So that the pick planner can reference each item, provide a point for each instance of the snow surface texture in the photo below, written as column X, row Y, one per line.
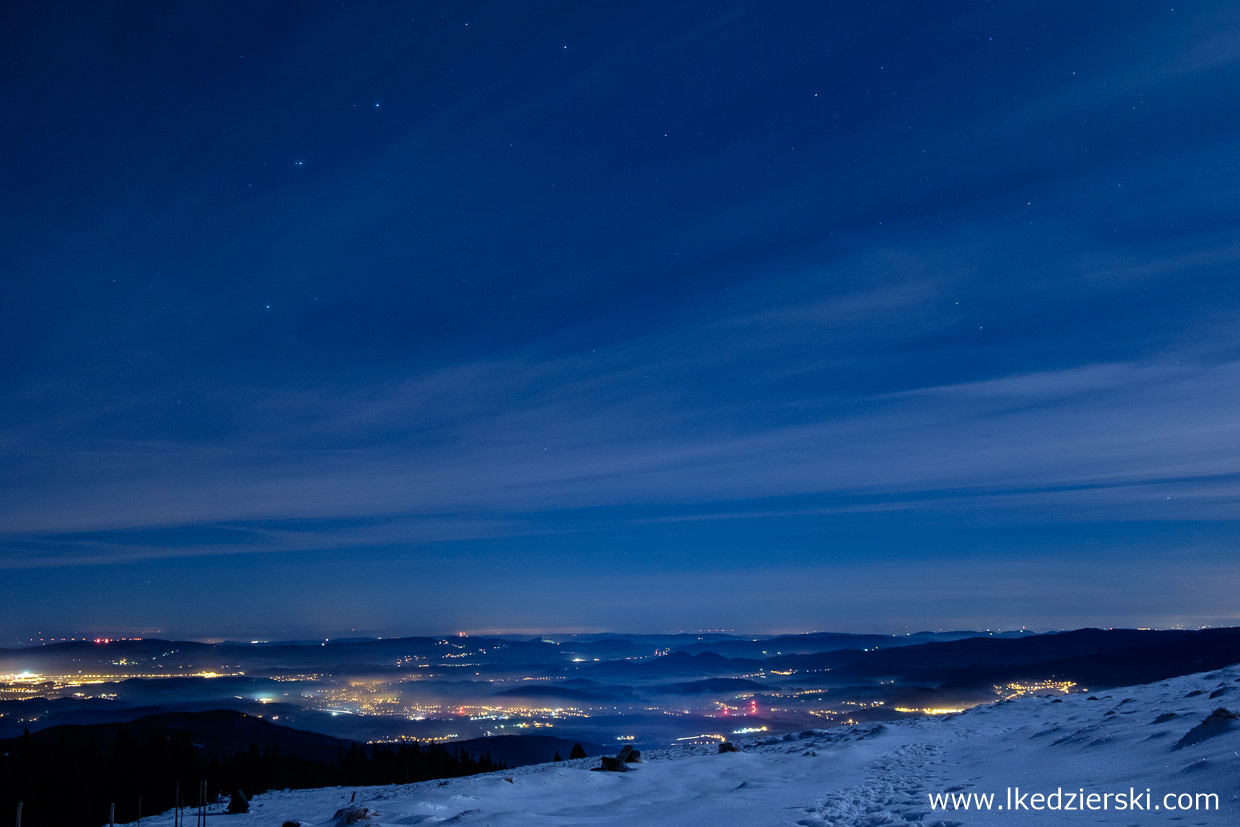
column 1117, row 741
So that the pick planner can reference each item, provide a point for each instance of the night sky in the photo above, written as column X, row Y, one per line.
column 396, row 318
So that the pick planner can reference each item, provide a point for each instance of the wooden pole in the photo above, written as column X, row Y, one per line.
column 19, row 814
column 139, row 811
column 112, row 815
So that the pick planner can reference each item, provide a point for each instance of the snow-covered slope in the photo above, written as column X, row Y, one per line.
column 1123, row 741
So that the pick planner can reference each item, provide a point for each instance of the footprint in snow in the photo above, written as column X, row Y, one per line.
column 894, row 795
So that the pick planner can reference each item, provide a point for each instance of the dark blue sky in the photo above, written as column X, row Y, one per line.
column 421, row 317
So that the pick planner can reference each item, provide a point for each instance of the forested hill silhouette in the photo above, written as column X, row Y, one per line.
column 1092, row 657
column 215, row 734
column 68, row 776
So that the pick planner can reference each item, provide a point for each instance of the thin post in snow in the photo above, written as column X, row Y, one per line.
column 19, row 814
column 112, row 815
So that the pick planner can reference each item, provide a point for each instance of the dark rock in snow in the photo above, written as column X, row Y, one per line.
column 1216, row 723
column 628, row 755
column 238, row 803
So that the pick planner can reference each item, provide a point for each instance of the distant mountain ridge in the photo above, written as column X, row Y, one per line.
column 383, row 653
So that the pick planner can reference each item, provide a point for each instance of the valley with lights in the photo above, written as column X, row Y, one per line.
column 643, row 689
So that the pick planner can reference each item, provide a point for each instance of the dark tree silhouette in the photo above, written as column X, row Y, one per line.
column 69, row 780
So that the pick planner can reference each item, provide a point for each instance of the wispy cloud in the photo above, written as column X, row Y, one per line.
column 463, row 451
